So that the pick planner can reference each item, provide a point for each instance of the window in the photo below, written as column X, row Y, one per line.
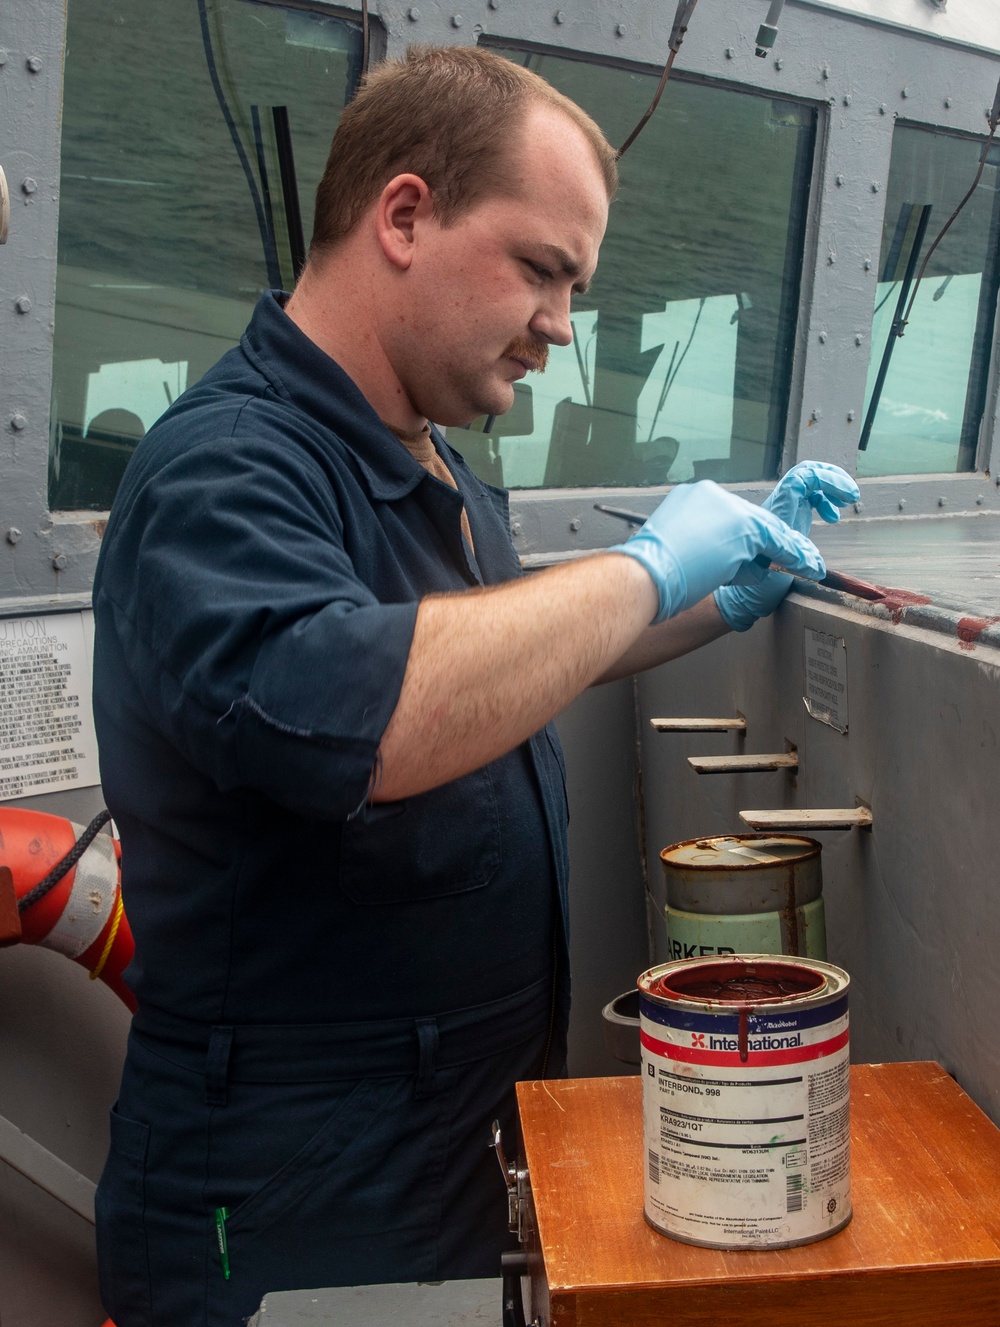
column 682, row 350
column 930, row 404
column 167, row 236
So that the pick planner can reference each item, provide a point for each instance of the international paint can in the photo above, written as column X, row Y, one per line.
column 744, row 894
column 746, row 1100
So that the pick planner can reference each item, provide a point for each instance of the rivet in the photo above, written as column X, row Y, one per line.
column 574, row 524
column 882, row 108
column 620, row 29
column 457, row 20
column 559, row 16
column 875, row 186
column 859, row 340
column 3, row 57
column 867, row 264
column 859, row 507
column 778, row 62
column 831, row 258
column 942, row 501
column 840, row 181
column 59, row 561
column 948, row 103
column 29, row 185
column 905, row 92
column 34, row 63
column 817, row 414
column 979, row 499
column 413, row 14
column 850, row 416
column 493, row 4
column 515, row 529
column 13, row 535
column 901, row 504
column 18, row 422
column 22, row 304
column 847, row 99
column 822, row 338
column 825, row 71
column 730, row 52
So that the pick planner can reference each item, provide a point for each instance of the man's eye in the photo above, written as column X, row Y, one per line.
column 543, row 273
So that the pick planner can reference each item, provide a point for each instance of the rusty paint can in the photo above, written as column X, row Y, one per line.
column 744, row 894
column 746, row 1100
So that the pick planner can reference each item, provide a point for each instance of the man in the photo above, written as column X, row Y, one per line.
column 323, row 693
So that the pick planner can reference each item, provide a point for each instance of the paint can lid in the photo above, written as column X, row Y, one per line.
column 739, row 852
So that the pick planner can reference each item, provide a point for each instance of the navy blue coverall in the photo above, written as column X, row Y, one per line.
column 335, row 997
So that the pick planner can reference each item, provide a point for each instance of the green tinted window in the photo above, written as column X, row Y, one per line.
column 164, row 242
column 683, row 346
column 930, row 403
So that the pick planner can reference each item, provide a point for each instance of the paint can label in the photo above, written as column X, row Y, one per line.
column 746, row 1122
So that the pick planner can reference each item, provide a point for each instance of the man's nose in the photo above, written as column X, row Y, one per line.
column 553, row 323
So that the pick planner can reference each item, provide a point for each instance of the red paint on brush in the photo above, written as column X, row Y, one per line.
column 839, row 580
column 971, row 628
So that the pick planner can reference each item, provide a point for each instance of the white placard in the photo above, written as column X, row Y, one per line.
column 47, row 739
column 826, row 679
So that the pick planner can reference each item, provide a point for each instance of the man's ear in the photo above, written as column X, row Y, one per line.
column 403, row 204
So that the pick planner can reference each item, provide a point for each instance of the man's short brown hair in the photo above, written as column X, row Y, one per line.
column 448, row 114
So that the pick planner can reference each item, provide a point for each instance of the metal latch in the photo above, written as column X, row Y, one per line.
column 514, row 1179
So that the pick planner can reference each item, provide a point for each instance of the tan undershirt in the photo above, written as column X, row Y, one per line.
column 421, row 448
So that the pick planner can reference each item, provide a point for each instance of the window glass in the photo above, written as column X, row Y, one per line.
column 930, row 403
column 682, row 347
column 164, row 244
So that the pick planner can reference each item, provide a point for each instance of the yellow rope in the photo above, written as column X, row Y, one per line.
column 116, row 921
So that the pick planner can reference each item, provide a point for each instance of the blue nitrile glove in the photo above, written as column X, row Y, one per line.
column 809, row 486
column 701, row 536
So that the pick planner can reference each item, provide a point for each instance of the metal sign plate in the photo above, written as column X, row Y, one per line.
column 826, row 679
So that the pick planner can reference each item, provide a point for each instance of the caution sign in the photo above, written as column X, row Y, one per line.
column 47, row 739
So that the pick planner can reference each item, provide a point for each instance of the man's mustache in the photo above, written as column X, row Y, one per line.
column 529, row 351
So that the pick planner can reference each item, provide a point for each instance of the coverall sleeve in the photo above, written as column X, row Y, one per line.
column 257, row 650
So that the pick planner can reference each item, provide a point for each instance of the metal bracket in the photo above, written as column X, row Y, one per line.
column 516, row 1181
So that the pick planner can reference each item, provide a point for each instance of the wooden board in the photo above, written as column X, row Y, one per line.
column 923, row 1248
column 699, row 725
column 855, row 817
column 743, row 764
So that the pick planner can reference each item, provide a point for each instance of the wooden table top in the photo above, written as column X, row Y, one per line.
column 923, row 1246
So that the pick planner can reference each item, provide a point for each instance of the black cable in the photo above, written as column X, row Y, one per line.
column 227, row 115
column 896, row 330
column 685, row 8
column 66, row 864
column 364, row 39
column 289, row 189
column 948, row 224
column 652, row 106
column 273, row 265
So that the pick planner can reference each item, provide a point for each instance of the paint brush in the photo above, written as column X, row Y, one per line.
column 834, row 580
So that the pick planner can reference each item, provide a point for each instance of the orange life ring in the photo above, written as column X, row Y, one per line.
column 81, row 916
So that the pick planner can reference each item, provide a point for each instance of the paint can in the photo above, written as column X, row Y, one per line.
column 744, row 894
column 746, row 1100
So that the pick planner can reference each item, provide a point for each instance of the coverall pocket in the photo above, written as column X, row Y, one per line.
column 356, row 1200
column 120, row 1205
column 443, row 842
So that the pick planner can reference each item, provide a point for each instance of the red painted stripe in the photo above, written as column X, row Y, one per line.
column 791, row 1055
